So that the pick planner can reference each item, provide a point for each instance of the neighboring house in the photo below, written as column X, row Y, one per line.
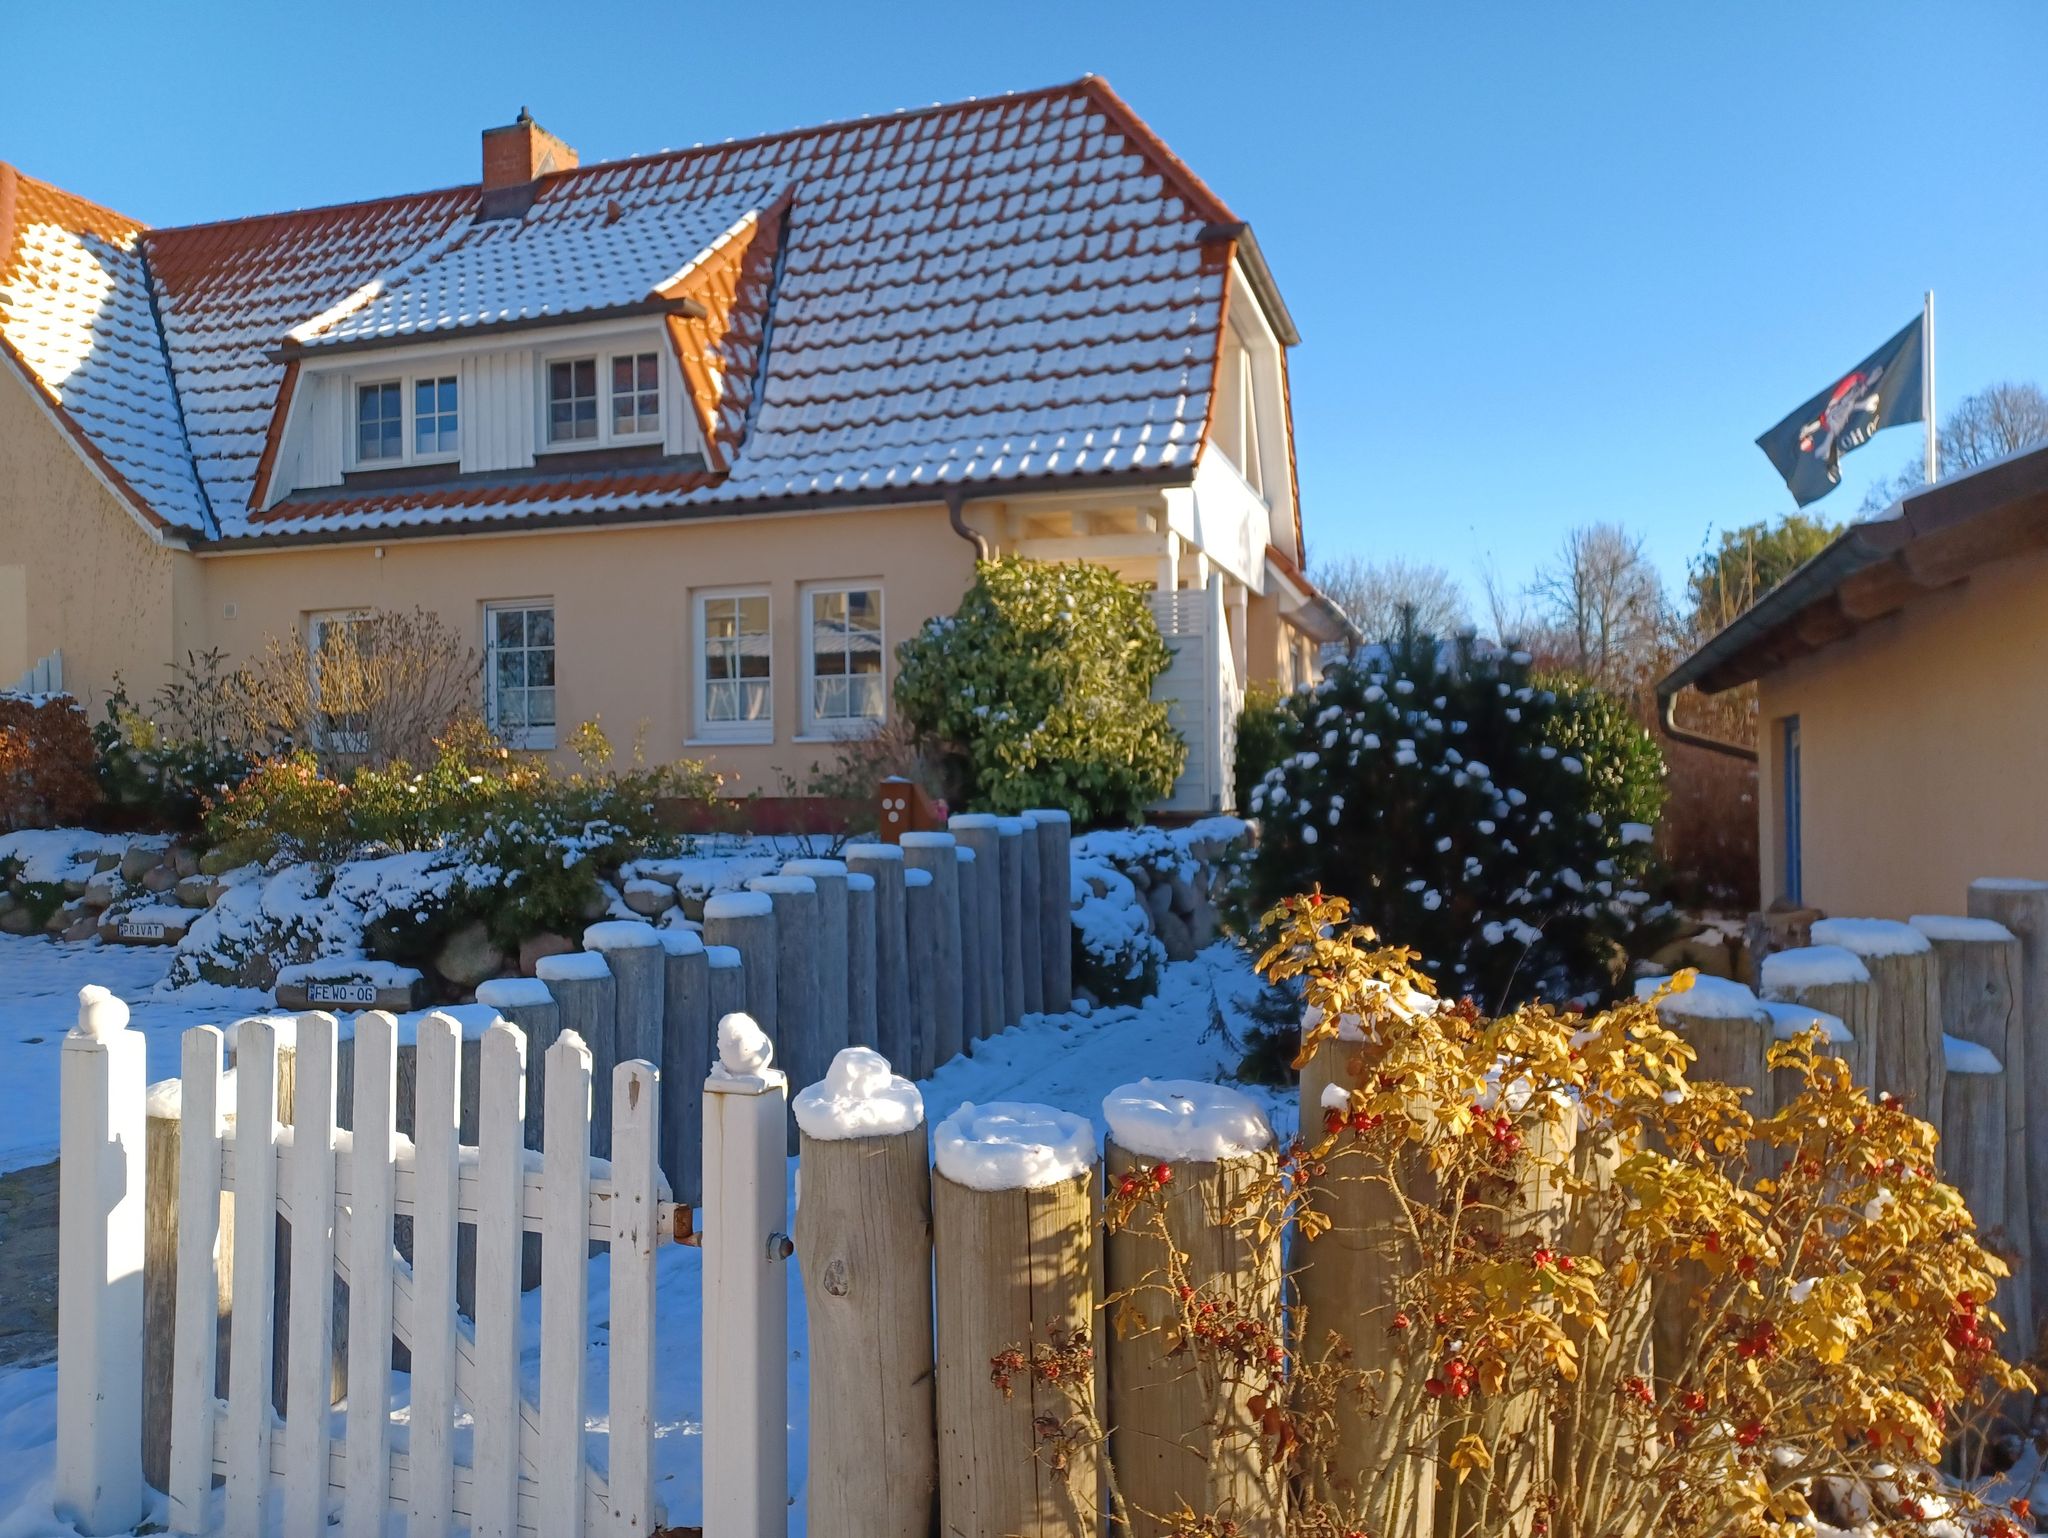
column 691, row 440
column 1902, row 679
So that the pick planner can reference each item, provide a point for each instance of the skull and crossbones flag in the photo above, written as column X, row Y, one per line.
column 1884, row 390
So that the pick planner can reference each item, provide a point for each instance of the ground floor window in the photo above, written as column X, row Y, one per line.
column 734, row 668
column 843, row 658
column 338, row 671
column 519, row 672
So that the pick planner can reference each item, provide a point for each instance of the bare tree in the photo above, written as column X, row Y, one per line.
column 1376, row 594
column 1998, row 420
column 1602, row 604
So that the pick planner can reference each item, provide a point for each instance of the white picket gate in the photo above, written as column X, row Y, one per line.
column 341, row 1190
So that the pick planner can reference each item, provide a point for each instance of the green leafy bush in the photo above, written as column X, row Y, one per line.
column 1498, row 822
column 1258, row 738
column 159, row 764
column 1037, row 691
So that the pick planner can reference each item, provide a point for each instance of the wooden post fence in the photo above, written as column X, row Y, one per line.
column 2022, row 907
column 924, row 924
column 1835, row 982
column 973, row 947
column 1015, row 1198
column 632, row 949
column 1010, row 866
column 894, row 1032
column 942, row 1011
column 745, row 922
column 830, row 952
column 685, row 1059
column 864, row 1241
column 1176, row 1441
column 801, row 1044
column 1032, row 910
column 586, row 999
column 1055, row 908
column 725, row 973
column 1906, row 1052
column 861, row 955
column 980, row 832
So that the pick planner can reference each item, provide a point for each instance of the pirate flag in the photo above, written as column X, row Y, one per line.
column 1882, row 391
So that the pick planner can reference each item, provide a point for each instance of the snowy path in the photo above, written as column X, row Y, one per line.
column 1067, row 1061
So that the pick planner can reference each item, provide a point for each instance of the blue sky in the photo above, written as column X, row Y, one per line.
column 1551, row 263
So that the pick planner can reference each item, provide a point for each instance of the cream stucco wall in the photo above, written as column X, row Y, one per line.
column 623, row 598
column 1924, row 749
column 77, row 572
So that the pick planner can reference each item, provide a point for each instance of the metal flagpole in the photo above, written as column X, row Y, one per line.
column 1927, row 388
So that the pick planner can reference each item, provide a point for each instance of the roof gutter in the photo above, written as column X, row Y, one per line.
column 1667, row 718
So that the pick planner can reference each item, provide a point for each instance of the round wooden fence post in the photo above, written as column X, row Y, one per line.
column 830, row 952
column 685, row 1061
column 864, row 1242
column 725, row 974
column 1974, row 1160
column 924, row 924
column 862, row 1015
column 1791, row 1020
column 883, row 864
column 1176, row 1442
column 1031, row 916
column 632, row 948
column 586, row 996
column 973, row 961
column 1730, row 1034
column 1834, row 982
column 745, row 922
column 1055, row 907
column 982, row 832
column 1010, row 908
column 1980, row 962
column 1345, row 1283
column 2022, row 907
column 1015, row 1203
column 800, row 1041
column 943, row 1013
column 1906, row 1033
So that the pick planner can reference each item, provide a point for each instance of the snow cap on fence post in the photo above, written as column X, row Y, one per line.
column 746, row 1303
column 1905, row 1046
column 101, row 1183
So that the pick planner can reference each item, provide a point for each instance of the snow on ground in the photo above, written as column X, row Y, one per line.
column 1193, row 1028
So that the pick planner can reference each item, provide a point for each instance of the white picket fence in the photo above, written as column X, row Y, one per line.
column 341, row 1190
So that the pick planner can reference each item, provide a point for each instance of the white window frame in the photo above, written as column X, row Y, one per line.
column 316, row 621
column 606, row 358
column 408, row 387
column 703, row 728
column 537, row 739
column 837, row 727
column 649, row 435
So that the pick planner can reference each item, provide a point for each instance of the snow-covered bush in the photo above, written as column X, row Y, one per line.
column 1146, row 896
column 1037, row 691
column 1498, row 822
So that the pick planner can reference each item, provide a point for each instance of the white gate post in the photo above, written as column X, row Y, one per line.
column 99, row 1269
column 746, row 1300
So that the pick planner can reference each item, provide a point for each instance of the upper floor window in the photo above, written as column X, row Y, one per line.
column 380, row 421
column 844, row 658
column 572, row 400
column 636, row 394
column 603, row 399
column 435, row 421
column 388, row 414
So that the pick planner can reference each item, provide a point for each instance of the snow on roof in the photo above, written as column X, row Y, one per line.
column 1951, row 926
column 1021, row 288
column 1812, row 966
column 1870, row 937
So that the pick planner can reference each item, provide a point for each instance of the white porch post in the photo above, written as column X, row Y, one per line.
column 1221, row 703
column 1169, row 564
column 101, row 1140
column 1240, row 606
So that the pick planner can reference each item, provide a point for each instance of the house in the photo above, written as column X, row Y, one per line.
column 690, row 440
column 1902, row 684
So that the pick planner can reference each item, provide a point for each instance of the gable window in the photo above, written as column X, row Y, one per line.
column 843, row 659
column 380, row 421
column 636, row 395
column 519, row 672
column 734, row 674
column 572, row 401
column 435, row 421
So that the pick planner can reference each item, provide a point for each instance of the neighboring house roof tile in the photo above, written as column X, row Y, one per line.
column 75, row 318
column 1019, row 289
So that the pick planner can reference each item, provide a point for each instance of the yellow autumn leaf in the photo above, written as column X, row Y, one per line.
column 1468, row 1455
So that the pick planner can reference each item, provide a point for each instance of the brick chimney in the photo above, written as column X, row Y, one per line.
column 515, row 157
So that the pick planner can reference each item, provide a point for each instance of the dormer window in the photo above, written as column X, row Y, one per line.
column 572, row 401
column 636, row 395
column 380, row 422
column 627, row 411
column 393, row 412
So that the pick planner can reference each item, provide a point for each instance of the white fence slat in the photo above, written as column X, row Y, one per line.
column 636, row 1219
column 250, row 1344
column 437, row 1118
column 368, row 1426
column 564, row 1285
column 501, row 1170
column 309, row 1187
column 195, row 1330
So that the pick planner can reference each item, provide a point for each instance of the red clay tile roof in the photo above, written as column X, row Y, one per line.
column 1009, row 290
